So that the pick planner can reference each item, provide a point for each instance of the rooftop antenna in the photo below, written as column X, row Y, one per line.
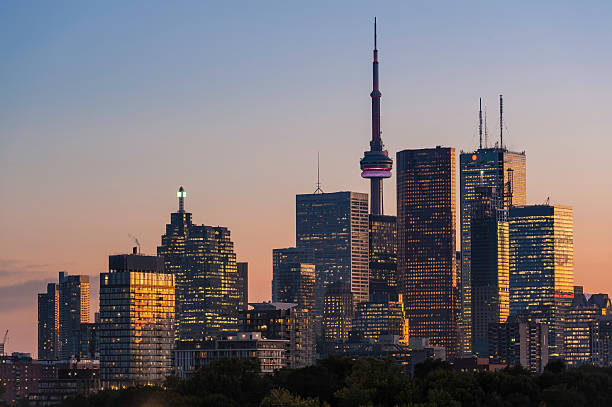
column 318, row 190
column 135, row 240
column 480, row 121
column 181, row 194
column 501, row 121
column 486, row 128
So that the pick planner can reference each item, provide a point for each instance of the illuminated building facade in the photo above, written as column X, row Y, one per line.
column 426, row 244
column 243, row 284
column 335, row 226
column 383, row 254
column 293, row 276
column 136, row 321
column 73, row 310
column 48, row 323
column 382, row 315
column 489, row 267
column 287, row 322
column 542, row 265
column 485, row 167
column 202, row 259
column 338, row 312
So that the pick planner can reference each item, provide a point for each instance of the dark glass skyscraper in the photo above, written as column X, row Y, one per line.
column 338, row 312
column 498, row 168
column 489, row 267
column 383, row 253
column 426, row 244
column 73, row 310
column 48, row 323
column 203, row 261
column 136, row 321
column 335, row 226
column 243, row 275
column 542, row 265
column 294, row 277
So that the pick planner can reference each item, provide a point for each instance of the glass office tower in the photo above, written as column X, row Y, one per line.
column 48, row 323
column 136, row 321
column 335, row 226
column 383, row 254
column 486, row 167
column 208, row 286
column 293, row 278
column 426, row 233
column 489, row 267
column 73, row 310
column 542, row 265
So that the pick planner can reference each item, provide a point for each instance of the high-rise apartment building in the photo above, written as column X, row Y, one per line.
column 505, row 172
column 202, row 259
column 293, row 278
column 48, row 323
column 489, row 267
column 426, row 244
column 335, row 226
column 542, row 265
column 338, row 312
column 287, row 322
column 73, row 310
column 136, row 321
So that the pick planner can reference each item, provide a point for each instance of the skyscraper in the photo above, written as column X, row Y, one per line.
column 542, row 265
column 383, row 315
column 335, row 226
column 376, row 163
column 73, row 310
column 338, row 312
column 48, row 323
column 495, row 167
column 203, row 262
column 243, row 279
column 294, row 277
column 490, row 267
column 136, row 321
column 426, row 244
column 383, row 253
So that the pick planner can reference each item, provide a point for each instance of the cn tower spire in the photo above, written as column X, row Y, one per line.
column 376, row 163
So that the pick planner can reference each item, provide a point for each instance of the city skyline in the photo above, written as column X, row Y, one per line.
column 85, row 198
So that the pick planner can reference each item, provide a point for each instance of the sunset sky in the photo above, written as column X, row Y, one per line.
column 107, row 107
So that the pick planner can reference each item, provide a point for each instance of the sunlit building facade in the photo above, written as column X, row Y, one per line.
column 542, row 265
column 136, row 321
column 489, row 267
column 208, row 287
column 426, row 231
column 48, row 323
column 338, row 312
column 335, row 226
column 382, row 315
column 485, row 167
column 383, row 253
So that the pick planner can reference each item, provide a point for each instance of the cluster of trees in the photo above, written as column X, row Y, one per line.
column 340, row 381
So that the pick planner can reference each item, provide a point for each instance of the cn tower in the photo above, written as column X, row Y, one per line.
column 376, row 163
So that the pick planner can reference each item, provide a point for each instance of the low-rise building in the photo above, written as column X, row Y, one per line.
column 19, row 375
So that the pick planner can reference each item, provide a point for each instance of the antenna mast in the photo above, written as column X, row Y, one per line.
column 318, row 190
column 501, row 121
column 480, row 121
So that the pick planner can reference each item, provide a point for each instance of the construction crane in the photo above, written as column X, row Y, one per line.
column 3, row 343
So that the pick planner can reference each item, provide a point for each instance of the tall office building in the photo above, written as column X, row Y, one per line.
column 335, row 226
column 495, row 167
column 338, row 312
column 243, row 284
column 73, row 311
column 293, row 277
column 383, row 253
column 426, row 244
column 383, row 315
column 489, row 267
column 203, row 261
column 136, row 321
column 542, row 265
column 48, row 323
